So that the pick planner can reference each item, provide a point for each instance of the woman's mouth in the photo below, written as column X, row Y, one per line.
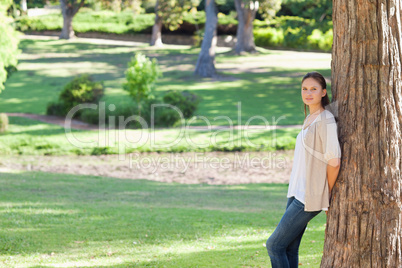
column 309, row 98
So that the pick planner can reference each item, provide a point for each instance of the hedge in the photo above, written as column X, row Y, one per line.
column 281, row 32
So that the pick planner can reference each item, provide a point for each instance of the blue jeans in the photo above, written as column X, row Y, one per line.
column 283, row 244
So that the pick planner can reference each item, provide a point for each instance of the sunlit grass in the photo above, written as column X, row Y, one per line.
column 57, row 220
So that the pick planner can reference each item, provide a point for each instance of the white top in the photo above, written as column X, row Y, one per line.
column 297, row 183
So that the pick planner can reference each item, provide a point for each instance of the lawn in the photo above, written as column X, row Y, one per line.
column 55, row 220
column 254, row 89
column 266, row 84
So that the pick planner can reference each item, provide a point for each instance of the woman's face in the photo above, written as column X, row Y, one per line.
column 312, row 92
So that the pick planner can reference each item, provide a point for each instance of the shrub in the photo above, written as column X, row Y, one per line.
column 40, row 23
column 3, row 122
column 56, row 108
column 162, row 116
column 168, row 117
column 141, row 76
column 269, row 37
column 320, row 40
column 185, row 101
column 82, row 89
column 90, row 116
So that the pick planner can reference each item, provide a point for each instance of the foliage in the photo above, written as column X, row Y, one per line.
column 8, row 43
column 223, row 6
column 91, row 21
column 3, row 122
column 293, row 32
column 56, row 108
column 268, row 8
column 185, row 101
column 159, row 115
column 36, row 3
column 141, row 75
column 115, row 5
column 269, row 37
column 319, row 10
column 172, row 11
column 82, row 89
column 320, row 40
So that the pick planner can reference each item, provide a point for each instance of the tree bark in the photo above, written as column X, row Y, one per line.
column 246, row 11
column 69, row 9
column 205, row 66
column 156, row 39
column 364, row 225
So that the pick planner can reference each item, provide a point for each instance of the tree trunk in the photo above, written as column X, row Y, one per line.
column 156, row 39
column 67, row 32
column 24, row 6
column 206, row 59
column 245, row 15
column 69, row 10
column 364, row 226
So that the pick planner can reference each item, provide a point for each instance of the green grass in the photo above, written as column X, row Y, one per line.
column 267, row 84
column 31, row 137
column 49, row 220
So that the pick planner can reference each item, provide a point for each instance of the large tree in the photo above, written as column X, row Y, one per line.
column 364, row 227
column 246, row 12
column 69, row 8
column 169, row 13
column 205, row 66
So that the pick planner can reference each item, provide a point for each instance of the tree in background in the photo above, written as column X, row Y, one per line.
column 364, row 226
column 69, row 8
column 205, row 66
column 169, row 13
column 246, row 12
column 8, row 43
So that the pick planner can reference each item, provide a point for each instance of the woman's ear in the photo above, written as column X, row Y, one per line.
column 324, row 92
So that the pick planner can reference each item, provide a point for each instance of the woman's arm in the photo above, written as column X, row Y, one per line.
column 332, row 172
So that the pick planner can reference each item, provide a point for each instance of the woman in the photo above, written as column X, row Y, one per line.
column 314, row 172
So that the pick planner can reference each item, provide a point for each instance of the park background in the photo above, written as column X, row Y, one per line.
column 69, row 206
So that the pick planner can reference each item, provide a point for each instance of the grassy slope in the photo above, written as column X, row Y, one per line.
column 53, row 219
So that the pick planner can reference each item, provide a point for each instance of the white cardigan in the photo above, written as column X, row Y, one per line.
column 315, row 146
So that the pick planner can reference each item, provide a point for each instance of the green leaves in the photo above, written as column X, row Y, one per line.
column 8, row 44
column 141, row 75
column 173, row 11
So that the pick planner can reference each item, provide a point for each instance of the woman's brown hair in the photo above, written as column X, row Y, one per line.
column 321, row 80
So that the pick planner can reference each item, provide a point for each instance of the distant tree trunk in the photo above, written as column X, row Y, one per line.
column 364, row 226
column 69, row 9
column 246, row 11
column 24, row 7
column 156, row 39
column 206, row 59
